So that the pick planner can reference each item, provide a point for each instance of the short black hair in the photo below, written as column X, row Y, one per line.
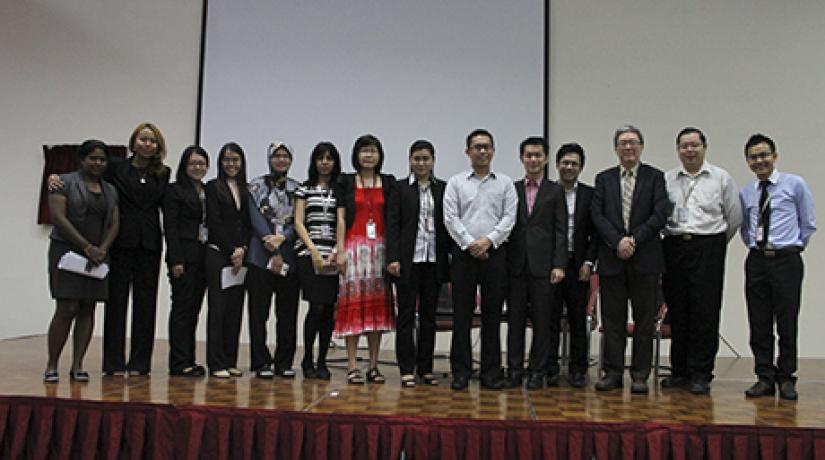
column 320, row 149
column 89, row 145
column 570, row 147
column 757, row 139
column 532, row 140
column 480, row 132
column 367, row 140
column 422, row 144
column 180, row 175
column 627, row 129
column 691, row 130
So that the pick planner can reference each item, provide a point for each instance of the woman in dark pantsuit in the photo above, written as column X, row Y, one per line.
column 227, row 222
column 184, row 223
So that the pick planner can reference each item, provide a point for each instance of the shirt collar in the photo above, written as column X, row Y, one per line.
column 773, row 179
column 535, row 182
column 471, row 174
column 635, row 170
column 704, row 169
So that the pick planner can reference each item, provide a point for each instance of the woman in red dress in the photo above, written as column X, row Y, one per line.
column 365, row 303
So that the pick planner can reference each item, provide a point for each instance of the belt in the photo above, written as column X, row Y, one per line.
column 694, row 236
column 777, row 252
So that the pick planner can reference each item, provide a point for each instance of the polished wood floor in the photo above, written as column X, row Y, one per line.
column 23, row 361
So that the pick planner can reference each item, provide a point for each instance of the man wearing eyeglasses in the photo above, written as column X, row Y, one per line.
column 629, row 209
column 778, row 221
column 479, row 212
column 706, row 215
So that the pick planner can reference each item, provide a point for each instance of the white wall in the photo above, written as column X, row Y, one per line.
column 731, row 68
column 70, row 71
column 97, row 68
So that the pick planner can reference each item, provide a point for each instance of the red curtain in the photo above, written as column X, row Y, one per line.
column 57, row 428
column 60, row 159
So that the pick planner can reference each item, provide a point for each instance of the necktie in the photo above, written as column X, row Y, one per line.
column 627, row 196
column 764, row 219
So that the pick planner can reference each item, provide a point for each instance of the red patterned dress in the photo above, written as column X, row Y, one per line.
column 364, row 295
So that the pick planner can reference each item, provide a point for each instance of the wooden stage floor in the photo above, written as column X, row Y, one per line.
column 23, row 360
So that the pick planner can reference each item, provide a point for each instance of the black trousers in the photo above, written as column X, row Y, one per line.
column 414, row 348
column 224, row 316
column 693, row 290
column 467, row 274
column 533, row 297
column 772, row 291
column 262, row 284
column 138, row 269
column 187, row 298
column 615, row 291
column 574, row 294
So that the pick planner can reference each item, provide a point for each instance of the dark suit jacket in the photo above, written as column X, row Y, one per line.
column 345, row 195
column 539, row 240
column 585, row 237
column 139, row 204
column 648, row 214
column 402, row 227
column 228, row 226
column 182, row 215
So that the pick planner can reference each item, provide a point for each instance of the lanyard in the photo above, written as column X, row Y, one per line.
column 686, row 195
column 368, row 195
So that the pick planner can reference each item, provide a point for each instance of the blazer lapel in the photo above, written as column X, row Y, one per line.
column 543, row 187
column 522, row 198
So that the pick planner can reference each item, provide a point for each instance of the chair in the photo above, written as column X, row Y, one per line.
column 661, row 329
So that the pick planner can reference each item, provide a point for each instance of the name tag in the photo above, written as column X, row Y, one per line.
column 203, row 233
column 681, row 215
column 760, row 233
column 371, row 231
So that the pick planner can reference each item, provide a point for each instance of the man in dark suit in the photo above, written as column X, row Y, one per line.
column 574, row 290
column 417, row 247
column 630, row 208
column 536, row 257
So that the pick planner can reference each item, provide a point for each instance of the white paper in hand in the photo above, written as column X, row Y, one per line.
column 75, row 263
column 229, row 279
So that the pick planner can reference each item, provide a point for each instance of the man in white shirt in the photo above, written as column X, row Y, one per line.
column 706, row 215
column 479, row 212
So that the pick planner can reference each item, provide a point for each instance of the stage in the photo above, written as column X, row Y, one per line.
column 159, row 416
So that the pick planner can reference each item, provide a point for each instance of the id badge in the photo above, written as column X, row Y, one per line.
column 681, row 215
column 760, row 233
column 371, row 232
column 429, row 224
column 203, row 233
column 279, row 229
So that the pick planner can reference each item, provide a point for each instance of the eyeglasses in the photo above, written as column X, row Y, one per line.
column 759, row 156
column 482, row 147
column 628, row 143
column 197, row 164
column 231, row 160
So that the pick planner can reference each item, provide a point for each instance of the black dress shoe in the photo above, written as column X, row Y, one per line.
column 609, row 383
column 553, row 380
column 787, row 390
column 577, row 380
column 322, row 373
column 535, row 382
column 514, row 381
column 700, row 387
column 759, row 389
column 460, row 382
column 675, row 381
column 496, row 383
column 639, row 387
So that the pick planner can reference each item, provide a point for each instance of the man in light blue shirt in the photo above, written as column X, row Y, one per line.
column 479, row 212
column 777, row 223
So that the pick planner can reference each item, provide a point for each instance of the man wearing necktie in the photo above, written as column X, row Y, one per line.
column 630, row 207
column 536, row 258
column 778, row 221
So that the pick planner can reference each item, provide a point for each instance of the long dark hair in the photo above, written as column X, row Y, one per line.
column 319, row 151
column 240, row 179
column 367, row 140
column 181, row 176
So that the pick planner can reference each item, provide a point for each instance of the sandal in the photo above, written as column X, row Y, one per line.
column 354, row 377
column 51, row 376
column 408, row 381
column 429, row 379
column 375, row 376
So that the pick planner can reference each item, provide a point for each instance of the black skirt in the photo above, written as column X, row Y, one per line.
column 66, row 285
column 322, row 289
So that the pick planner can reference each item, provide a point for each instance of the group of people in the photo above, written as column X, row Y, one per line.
column 343, row 241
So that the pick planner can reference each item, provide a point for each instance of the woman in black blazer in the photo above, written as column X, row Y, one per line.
column 417, row 247
column 227, row 221
column 184, row 223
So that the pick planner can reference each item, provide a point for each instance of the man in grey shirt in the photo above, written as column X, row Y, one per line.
column 706, row 215
column 479, row 213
